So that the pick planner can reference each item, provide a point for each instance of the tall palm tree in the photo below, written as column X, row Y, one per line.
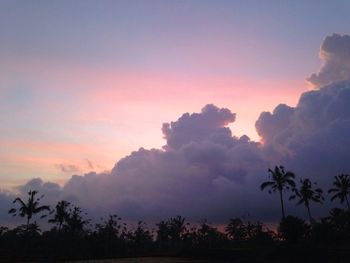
column 307, row 194
column 341, row 188
column 30, row 208
column 61, row 214
column 279, row 180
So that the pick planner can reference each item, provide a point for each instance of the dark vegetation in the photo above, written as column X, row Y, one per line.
column 72, row 236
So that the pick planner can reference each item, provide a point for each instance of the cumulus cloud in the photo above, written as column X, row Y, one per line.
column 203, row 171
column 207, row 125
column 48, row 189
column 312, row 137
column 335, row 51
column 200, row 168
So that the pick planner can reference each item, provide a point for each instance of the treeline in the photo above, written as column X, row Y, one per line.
column 73, row 236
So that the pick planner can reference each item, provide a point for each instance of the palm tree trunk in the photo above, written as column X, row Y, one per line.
column 309, row 212
column 282, row 205
column 27, row 228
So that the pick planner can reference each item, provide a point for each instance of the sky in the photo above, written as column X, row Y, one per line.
column 85, row 84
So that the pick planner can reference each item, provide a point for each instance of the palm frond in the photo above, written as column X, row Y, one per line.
column 266, row 184
column 12, row 210
column 19, row 200
column 41, row 208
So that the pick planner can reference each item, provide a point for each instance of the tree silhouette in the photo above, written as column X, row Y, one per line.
column 76, row 222
column 307, row 194
column 163, row 232
column 108, row 233
column 236, row 229
column 61, row 214
column 341, row 188
column 141, row 237
column 279, row 181
column 293, row 229
column 177, row 227
column 210, row 237
column 171, row 233
column 340, row 220
column 30, row 208
column 110, row 227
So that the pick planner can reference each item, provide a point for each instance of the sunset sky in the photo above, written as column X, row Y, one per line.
column 85, row 83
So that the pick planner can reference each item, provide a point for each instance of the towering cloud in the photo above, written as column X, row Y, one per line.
column 335, row 51
column 207, row 125
column 203, row 171
column 313, row 138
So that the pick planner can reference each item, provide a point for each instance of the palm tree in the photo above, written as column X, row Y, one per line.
column 177, row 227
column 30, row 208
column 75, row 221
column 341, row 188
column 280, row 180
column 110, row 227
column 236, row 229
column 61, row 214
column 307, row 194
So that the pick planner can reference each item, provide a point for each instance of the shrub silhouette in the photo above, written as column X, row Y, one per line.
column 236, row 230
column 340, row 219
column 293, row 229
column 209, row 237
column 323, row 232
column 141, row 238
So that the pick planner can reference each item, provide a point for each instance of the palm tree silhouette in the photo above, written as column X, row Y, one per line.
column 30, row 208
column 236, row 229
column 61, row 214
column 341, row 188
column 75, row 221
column 177, row 227
column 280, row 180
column 307, row 194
